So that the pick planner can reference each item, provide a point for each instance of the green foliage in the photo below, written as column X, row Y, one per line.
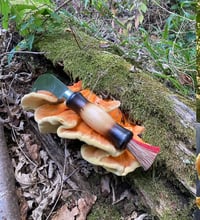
column 172, row 49
column 5, row 10
column 176, row 46
column 28, row 16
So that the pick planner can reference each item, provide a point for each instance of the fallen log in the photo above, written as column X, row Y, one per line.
column 168, row 117
column 9, row 208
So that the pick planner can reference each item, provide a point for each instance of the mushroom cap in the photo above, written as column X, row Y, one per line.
column 120, row 165
column 197, row 164
column 34, row 100
column 53, row 116
column 84, row 133
column 198, row 202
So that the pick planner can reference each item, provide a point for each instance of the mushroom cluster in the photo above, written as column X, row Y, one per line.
column 53, row 116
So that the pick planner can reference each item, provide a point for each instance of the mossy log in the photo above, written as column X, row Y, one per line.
column 168, row 118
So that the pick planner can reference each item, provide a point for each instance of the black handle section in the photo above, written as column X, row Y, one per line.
column 76, row 102
column 119, row 136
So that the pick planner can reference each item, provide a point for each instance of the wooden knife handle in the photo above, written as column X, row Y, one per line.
column 99, row 120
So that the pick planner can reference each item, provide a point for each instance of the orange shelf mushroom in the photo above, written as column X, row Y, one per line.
column 53, row 116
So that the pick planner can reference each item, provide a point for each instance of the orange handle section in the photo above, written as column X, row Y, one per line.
column 99, row 120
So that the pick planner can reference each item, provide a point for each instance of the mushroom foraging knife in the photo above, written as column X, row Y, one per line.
column 98, row 119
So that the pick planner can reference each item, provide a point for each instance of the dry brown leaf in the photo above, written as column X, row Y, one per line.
column 47, row 200
column 185, row 79
column 24, row 179
column 33, row 149
column 84, row 206
column 23, row 204
column 79, row 212
column 105, row 185
column 65, row 214
column 137, row 21
column 66, row 194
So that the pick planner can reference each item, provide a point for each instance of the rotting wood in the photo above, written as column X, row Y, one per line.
column 9, row 208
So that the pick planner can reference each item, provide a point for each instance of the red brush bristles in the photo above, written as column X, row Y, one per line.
column 149, row 147
column 144, row 153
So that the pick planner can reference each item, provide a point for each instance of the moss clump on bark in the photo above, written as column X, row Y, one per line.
column 104, row 211
column 161, row 197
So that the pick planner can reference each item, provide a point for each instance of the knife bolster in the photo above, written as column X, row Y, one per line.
column 99, row 120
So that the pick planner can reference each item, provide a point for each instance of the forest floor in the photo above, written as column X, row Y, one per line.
column 48, row 188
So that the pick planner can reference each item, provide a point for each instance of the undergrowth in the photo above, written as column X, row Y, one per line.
column 157, row 35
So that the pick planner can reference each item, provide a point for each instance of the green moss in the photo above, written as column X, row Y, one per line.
column 163, row 199
column 104, row 212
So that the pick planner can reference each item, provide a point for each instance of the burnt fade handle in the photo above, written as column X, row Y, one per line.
column 99, row 120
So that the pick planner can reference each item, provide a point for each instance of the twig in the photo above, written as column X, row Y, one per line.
column 61, row 187
column 21, row 52
column 73, row 172
column 74, row 35
column 63, row 4
column 9, row 43
column 20, row 147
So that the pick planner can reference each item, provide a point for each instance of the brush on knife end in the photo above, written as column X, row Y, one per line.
column 144, row 153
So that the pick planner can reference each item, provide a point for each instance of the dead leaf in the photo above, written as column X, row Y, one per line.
column 185, row 79
column 47, row 199
column 105, row 185
column 104, row 44
column 23, row 204
column 65, row 214
column 137, row 21
column 32, row 148
column 132, row 216
column 24, row 179
column 84, row 206
column 78, row 212
column 141, row 217
column 33, row 151
column 66, row 194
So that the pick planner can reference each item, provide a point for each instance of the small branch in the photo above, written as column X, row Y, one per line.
column 62, row 5
column 74, row 35
column 9, row 43
column 21, row 52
